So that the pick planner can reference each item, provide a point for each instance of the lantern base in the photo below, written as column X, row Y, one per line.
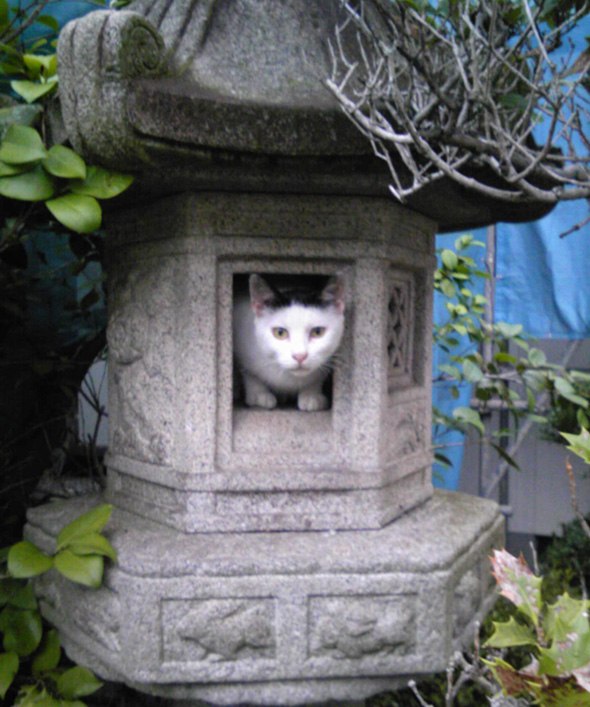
column 276, row 618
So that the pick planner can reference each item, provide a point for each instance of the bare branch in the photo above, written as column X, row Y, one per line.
column 447, row 94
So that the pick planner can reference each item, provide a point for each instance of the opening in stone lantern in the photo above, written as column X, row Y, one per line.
column 286, row 282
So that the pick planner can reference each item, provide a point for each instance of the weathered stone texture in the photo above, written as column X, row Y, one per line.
column 279, row 618
column 358, row 465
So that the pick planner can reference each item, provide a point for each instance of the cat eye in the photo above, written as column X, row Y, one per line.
column 317, row 331
column 280, row 333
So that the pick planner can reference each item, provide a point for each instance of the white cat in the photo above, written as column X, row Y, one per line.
column 284, row 341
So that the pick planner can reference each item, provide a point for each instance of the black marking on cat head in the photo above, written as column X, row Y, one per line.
column 282, row 291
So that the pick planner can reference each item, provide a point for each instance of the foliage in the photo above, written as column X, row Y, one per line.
column 558, row 636
column 566, row 561
column 51, row 318
column 514, row 374
column 456, row 88
column 565, row 416
column 28, row 645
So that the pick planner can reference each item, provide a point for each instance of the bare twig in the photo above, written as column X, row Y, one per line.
column 440, row 95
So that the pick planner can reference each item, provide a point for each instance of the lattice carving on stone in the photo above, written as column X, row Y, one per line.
column 400, row 326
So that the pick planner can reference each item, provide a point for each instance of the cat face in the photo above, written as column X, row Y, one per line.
column 300, row 337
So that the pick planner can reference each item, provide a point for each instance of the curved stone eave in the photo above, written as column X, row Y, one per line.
column 177, row 110
column 170, row 167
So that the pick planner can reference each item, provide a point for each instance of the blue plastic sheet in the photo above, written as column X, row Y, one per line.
column 542, row 280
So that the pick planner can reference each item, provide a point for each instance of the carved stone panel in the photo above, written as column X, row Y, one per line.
column 141, row 354
column 400, row 316
column 353, row 627
column 212, row 630
column 97, row 615
column 409, row 434
column 467, row 598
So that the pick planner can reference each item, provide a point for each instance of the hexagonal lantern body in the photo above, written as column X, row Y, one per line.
column 182, row 450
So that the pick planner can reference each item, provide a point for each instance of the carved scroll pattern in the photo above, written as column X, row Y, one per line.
column 354, row 627
column 399, row 327
column 214, row 630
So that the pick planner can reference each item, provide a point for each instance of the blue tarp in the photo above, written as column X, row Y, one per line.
column 542, row 280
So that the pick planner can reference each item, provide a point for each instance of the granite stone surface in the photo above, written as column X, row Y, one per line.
column 277, row 617
column 184, row 451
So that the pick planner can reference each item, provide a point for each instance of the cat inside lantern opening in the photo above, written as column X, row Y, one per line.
column 286, row 334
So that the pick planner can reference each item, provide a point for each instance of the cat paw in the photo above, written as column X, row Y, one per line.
column 310, row 402
column 261, row 400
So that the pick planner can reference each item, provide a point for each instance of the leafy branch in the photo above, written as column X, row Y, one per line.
column 79, row 556
column 513, row 374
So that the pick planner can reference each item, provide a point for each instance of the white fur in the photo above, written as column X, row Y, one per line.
column 267, row 363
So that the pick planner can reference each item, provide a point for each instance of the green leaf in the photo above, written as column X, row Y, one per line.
column 93, row 544
column 22, row 630
column 36, row 696
column 517, row 583
column 537, row 357
column 442, row 460
column 23, row 596
column 8, row 669
column 41, row 64
column 34, row 185
column 22, row 144
column 579, row 444
column 63, row 162
column 31, row 91
column 508, row 331
column 49, row 653
column 564, row 387
column 80, row 213
column 448, row 289
column 469, row 416
column 101, row 183
column 26, row 560
column 9, row 170
column 506, row 457
column 565, row 617
column 451, row 371
column 77, row 682
column 17, row 592
column 511, row 633
column 471, row 371
column 92, row 522
column 49, row 21
column 502, row 357
column 85, row 569
column 449, row 259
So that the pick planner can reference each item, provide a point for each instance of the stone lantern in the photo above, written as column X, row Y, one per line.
column 264, row 556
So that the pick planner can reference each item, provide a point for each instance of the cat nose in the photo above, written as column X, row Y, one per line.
column 300, row 357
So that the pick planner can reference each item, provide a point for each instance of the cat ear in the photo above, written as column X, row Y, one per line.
column 333, row 294
column 261, row 294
